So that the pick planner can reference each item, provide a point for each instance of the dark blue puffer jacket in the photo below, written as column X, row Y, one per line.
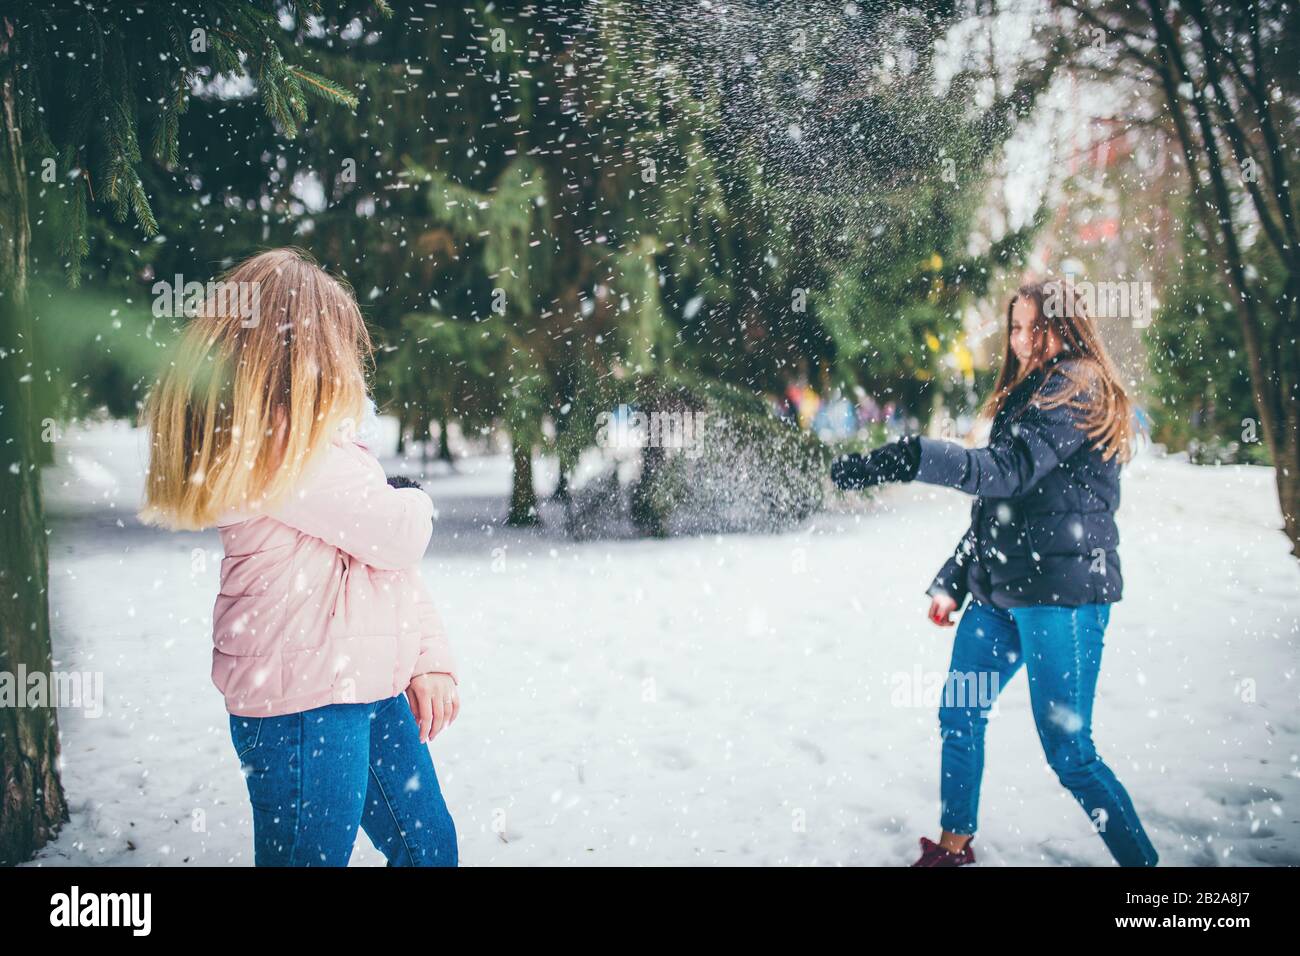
column 1042, row 525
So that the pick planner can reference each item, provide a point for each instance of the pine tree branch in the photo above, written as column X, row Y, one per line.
column 324, row 88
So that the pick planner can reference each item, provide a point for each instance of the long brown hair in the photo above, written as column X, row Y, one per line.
column 1093, row 383
column 248, row 399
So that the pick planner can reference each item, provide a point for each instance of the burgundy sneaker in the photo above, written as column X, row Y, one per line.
column 934, row 855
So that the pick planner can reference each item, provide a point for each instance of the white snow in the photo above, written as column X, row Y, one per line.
column 711, row 700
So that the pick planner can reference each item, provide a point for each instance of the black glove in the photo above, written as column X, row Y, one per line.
column 897, row 461
column 401, row 481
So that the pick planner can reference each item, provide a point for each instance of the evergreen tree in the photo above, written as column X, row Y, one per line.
column 87, row 95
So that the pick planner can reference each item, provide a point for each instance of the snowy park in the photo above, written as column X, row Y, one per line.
column 721, row 700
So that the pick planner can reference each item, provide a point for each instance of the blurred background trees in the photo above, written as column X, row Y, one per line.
column 586, row 202
column 1218, row 83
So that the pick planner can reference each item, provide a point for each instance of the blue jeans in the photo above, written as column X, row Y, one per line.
column 1061, row 650
column 315, row 776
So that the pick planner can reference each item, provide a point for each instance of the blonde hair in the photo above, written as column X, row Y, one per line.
column 251, row 396
column 1106, row 410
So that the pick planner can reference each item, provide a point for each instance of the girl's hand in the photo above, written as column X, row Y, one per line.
column 849, row 472
column 897, row 461
column 941, row 605
column 434, row 701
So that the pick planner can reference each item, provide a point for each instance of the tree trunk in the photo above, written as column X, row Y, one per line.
column 1286, row 468
column 444, row 441
column 523, row 497
column 647, row 513
column 32, row 803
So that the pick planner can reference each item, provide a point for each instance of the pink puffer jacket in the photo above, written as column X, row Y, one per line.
column 321, row 600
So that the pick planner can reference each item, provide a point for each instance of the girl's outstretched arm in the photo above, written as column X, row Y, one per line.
column 1038, row 441
column 345, row 500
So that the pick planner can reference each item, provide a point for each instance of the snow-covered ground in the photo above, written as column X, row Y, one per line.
column 714, row 700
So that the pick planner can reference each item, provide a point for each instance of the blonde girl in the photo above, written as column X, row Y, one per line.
column 333, row 663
